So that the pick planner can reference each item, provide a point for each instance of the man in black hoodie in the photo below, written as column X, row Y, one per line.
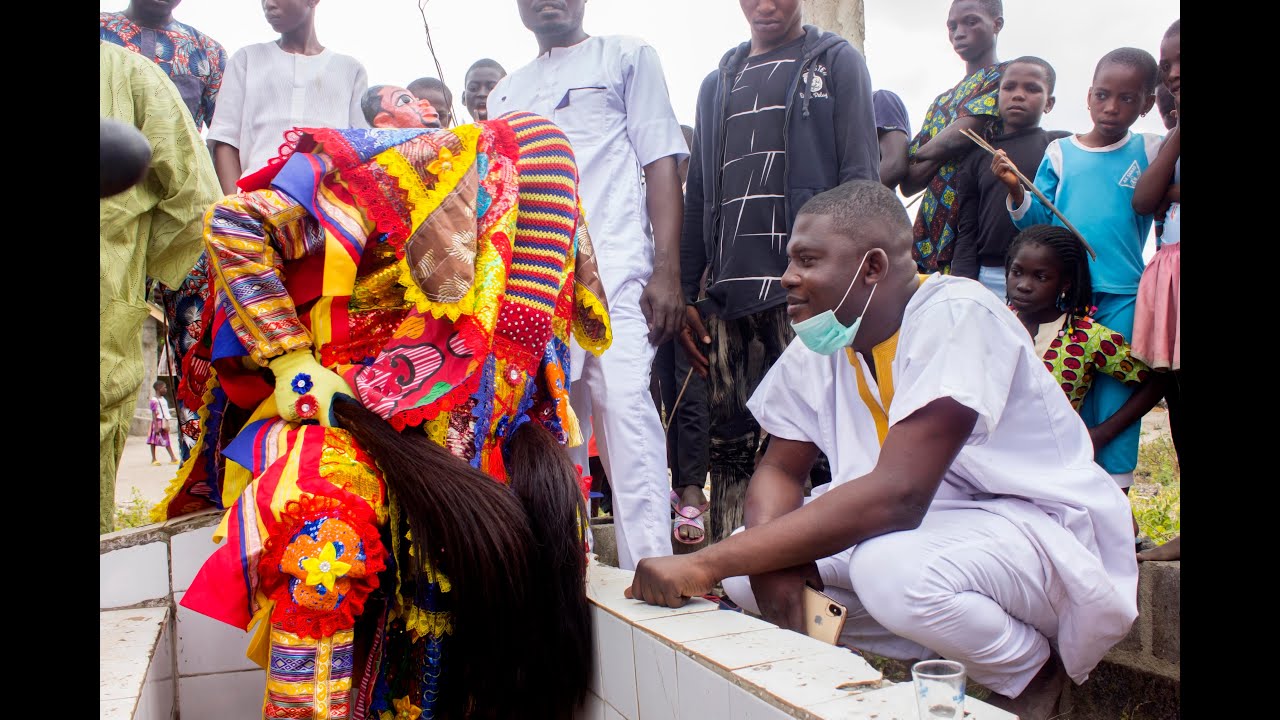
column 786, row 116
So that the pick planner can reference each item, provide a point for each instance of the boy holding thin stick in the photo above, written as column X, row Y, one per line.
column 1091, row 178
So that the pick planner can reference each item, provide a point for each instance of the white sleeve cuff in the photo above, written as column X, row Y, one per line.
column 1019, row 212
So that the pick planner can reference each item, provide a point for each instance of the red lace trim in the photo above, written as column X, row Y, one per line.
column 365, row 188
column 303, row 622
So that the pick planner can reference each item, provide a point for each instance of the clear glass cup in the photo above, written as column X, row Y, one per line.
column 940, row 688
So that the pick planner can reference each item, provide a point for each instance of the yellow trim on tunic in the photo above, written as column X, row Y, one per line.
column 882, row 355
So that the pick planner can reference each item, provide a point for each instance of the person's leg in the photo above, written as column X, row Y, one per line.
column 1171, row 550
column 631, row 441
column 861, row 631
column 736, row 362
column 968, row 585
column 113, row 430
column 690, row 437
column 1120, row 456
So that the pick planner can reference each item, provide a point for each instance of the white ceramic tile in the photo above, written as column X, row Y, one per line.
column 597, row 618
column 611, row 714
column 703, row 693
column 699, row 626
column 159, row 690
column 222, row 696
column 745, row 706
column 127, row 641
column 117, row 709
column 752, row 648
column 605, row 586
column 897, row 702
column 206, row 645
column 655, row 677
column 807, row 681
column 131, row 575
column 592, row 708
column 189, row 551
column 614, row 655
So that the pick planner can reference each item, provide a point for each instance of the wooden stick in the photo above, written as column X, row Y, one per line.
column 977, row 139
column 671, row 415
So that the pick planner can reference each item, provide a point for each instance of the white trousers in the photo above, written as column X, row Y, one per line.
column 633, row 448
column 966, row 585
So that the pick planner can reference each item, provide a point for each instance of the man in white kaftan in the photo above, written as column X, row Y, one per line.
column 966, row 517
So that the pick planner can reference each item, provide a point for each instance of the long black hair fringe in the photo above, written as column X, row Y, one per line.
column 546, row 481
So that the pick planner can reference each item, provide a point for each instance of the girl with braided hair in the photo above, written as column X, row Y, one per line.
column 1049, row 286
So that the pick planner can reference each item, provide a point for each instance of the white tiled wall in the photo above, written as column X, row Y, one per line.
column 696, row 662
column 132, row 575
column 190, row 550
column 208, row 646
column 690, row 663
column 224, row 696
column 127, row 641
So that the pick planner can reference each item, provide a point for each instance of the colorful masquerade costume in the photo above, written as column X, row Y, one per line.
column 439, row 273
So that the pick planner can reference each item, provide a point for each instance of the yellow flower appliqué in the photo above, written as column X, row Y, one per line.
column 442, row 163
column 404, row 710
column 326, row 569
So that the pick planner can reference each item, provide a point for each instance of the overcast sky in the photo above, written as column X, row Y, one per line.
column 906, row 46
column 906, row 42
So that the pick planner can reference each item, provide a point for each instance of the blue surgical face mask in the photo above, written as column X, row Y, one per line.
column 823, row 333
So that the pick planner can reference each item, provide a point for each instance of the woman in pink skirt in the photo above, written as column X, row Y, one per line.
column 1158, row 317
column 159, row 434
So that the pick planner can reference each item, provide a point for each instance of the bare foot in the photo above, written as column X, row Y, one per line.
column 691, row 497
column 1040, row 699
column 1171, row 550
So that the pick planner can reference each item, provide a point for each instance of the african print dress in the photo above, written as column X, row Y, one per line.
column 939, row 214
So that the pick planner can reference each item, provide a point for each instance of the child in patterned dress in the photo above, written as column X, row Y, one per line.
column 159, row 434
column 1050, row 287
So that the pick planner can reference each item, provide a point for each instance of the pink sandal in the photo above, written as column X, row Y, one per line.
column 690, row 516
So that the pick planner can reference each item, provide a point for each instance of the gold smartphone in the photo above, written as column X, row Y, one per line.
column 823, row 617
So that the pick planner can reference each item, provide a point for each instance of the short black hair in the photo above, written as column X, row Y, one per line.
column 430, row 83
column 1050, row 76
column 1137, row 59
column 994, row 8
column 371, row 104
column 1174, row 29
column 486, row 62
column 856, row 202
column 1077, row 300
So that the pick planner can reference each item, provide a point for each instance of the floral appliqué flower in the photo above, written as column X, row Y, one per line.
column 326, row 569
column 404, row 710
column 302, row 383
column 442, row 163
column 306, row 407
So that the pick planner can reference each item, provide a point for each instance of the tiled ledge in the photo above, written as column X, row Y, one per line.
column 135, row 664
column 698, row 662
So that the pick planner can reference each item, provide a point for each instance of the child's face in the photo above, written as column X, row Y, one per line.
column 1116, row 100
column 1024, row 96
column 1171, row 65
column 971, row 30
column 162, row 389
column 1034, row 279
column 475, row 96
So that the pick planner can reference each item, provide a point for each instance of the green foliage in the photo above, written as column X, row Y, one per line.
column 1158, row 516
column 135, row 513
